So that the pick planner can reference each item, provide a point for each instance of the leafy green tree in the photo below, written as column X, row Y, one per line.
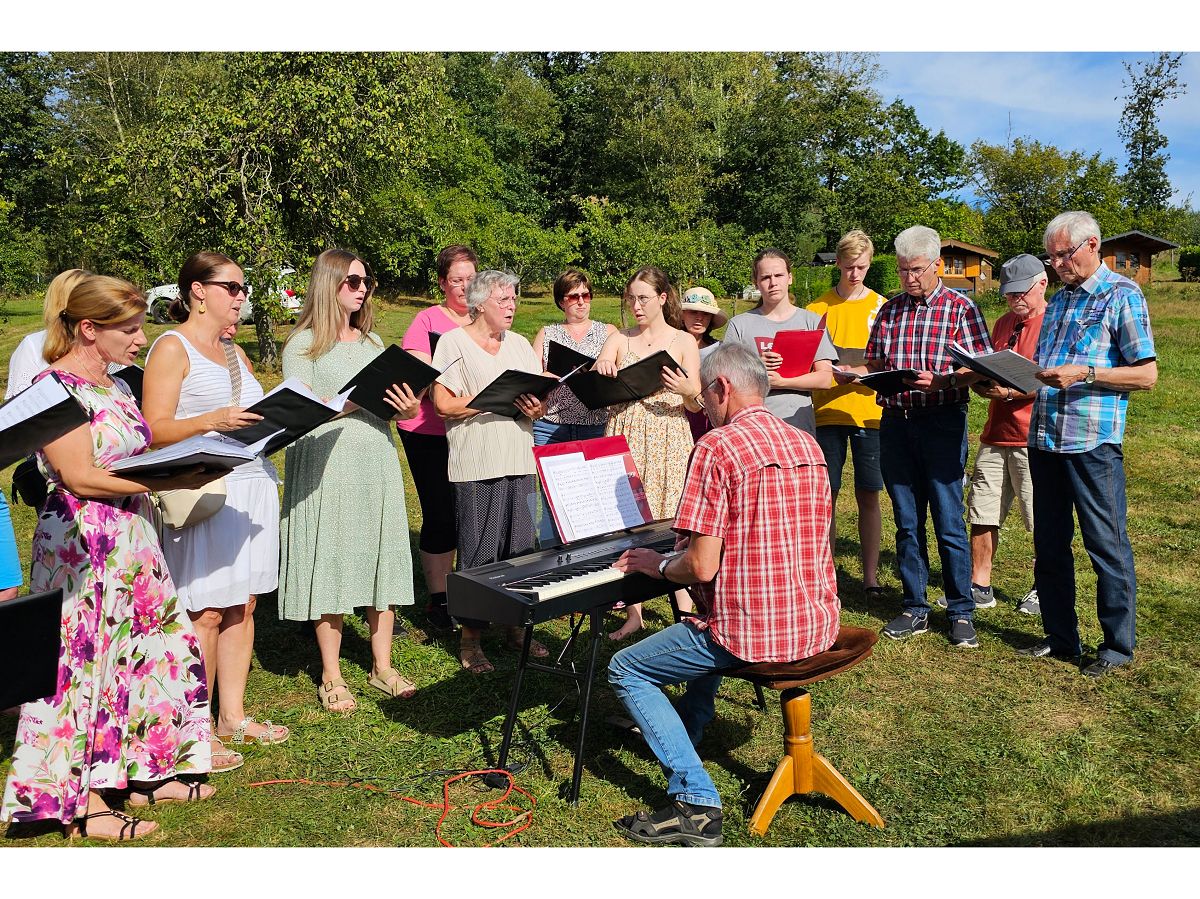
column 1150, row 85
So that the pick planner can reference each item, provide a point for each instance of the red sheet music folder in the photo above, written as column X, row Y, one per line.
column 601, row 448
column 798, row 349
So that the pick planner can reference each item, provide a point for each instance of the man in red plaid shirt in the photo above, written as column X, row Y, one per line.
column 754, row 546
column 923, row 430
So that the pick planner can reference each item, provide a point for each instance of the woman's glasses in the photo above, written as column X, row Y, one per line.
column 355, row 281
column 233, row 287
column 581, row 296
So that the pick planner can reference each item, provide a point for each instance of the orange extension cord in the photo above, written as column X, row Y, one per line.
column 524, row 819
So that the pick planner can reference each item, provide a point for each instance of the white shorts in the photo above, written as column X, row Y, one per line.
column 1001, row 474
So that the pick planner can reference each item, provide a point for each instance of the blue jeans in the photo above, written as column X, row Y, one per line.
column 1093, row 485
column 863, row 444
column 638, row 673
column 923, row 459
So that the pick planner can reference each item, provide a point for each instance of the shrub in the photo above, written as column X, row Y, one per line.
column 1189, row 263
column 882, row 277
column 810, row 282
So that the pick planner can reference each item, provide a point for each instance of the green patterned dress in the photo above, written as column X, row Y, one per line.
column 344, row 528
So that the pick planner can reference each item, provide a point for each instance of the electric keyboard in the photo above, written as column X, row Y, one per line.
column 546, row 584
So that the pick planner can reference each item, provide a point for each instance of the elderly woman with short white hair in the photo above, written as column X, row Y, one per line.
column 491, row 456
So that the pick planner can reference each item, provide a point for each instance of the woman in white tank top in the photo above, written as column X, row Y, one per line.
column 222, row 564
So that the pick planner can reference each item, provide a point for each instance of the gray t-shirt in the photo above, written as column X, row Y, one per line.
column 793, row 406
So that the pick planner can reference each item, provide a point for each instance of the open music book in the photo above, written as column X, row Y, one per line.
column 592, row 487
column 394, row 365
column 289, row 412
column 1007, row 368
column 890, row 382
column 562, row 360
column 642, row 379
column 499, row 397
column 39, row 414
column 215, row 454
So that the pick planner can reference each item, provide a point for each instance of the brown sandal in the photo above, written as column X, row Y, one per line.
column 515, row 639
column 470, row 655
column 332, row 692
column 195, row 793
column 394, row 684
column 128, row 831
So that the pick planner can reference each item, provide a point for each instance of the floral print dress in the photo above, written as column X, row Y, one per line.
column 132, row 702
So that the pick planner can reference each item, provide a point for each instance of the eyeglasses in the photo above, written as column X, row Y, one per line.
column 914, row 272
column 582, row 296
column 354, row 281
column 1016, row 332
column 506, row 302
column 640, row 299
column 233, row 287
column 711, row 384
column 1066, row 255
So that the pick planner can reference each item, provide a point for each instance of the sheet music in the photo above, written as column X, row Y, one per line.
column 614, row 494
column 1006, row 363
column 45, row 394
column 569, row 485
column 295, row 385
column 185, row 448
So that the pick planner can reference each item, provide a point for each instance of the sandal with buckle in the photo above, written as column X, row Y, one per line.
column 128, row 831
column 393, row 683
column 225, row 759
column 515, row 639
column 676, row 823
column 471, row 657
column 274, row 733
column 195, row 793
column 332, row 692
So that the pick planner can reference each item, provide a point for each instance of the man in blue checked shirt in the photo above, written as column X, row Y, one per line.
column 1095, row 347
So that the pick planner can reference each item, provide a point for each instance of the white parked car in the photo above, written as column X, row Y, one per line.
column 161, row 297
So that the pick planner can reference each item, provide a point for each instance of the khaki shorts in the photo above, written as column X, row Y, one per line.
column 1001, row 473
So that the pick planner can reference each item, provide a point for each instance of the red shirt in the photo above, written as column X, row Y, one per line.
column 761, row 486
column 1008, row 423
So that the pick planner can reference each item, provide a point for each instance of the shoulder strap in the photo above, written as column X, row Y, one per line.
column 235, row 371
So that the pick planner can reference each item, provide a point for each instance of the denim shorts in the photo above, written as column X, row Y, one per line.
column 864, row 449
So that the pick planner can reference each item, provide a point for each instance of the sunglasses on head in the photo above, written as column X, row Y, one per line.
column 233, row 287
column 356, row 280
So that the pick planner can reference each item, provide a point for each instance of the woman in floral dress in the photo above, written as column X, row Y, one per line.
column 131, row 708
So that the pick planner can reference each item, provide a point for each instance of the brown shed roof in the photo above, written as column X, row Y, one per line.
column 970, row 247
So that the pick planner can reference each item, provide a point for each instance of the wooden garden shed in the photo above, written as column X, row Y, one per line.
column 966, row 267
column 1128, row 254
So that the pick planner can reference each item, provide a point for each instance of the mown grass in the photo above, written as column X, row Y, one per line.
column 952, row 747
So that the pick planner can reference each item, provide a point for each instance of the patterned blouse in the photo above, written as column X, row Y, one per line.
column 562, row 406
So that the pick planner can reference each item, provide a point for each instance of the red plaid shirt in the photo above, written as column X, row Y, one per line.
column 912, row 333
column 761, row 486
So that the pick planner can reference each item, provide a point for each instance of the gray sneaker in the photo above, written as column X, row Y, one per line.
column 962, row 634
column 982, row 600
column 906, row 624
column 1030, row 604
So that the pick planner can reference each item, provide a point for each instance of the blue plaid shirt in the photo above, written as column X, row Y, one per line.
column 1103, row 322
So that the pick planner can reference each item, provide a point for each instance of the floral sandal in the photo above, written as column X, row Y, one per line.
column 333, row 692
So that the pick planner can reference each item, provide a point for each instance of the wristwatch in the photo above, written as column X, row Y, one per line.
column 1090, row 377
column 951, row 381
column 662, row 567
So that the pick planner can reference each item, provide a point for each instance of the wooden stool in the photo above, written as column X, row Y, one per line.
column 801, row 770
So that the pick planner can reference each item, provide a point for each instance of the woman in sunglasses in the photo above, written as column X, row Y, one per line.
column 344, row 533
column 197, row 382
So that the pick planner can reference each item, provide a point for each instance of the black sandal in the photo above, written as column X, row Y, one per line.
column 691, row 825
column 194, row 788
column 128, row 828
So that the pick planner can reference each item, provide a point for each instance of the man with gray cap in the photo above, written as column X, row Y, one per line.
column 1002, row 463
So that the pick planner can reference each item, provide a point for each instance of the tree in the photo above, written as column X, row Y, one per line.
column 1150, row 84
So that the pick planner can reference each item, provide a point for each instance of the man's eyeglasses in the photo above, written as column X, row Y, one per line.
column 582, row 296
column 354, row 281
column 914, row 272
column 1065, row 255
column 233, row 287
column 711, row 384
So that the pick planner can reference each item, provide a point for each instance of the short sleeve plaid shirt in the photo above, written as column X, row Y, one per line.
column 912, row 333
column 1102, row 322
column 762, row 487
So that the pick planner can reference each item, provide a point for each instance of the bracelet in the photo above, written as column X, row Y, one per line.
column 1008, row 399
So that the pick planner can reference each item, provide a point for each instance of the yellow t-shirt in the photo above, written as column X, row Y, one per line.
column 849, row 325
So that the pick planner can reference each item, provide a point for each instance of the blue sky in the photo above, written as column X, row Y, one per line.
column 1062, row 99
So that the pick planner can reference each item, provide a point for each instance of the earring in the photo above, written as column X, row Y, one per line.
column 201, row 310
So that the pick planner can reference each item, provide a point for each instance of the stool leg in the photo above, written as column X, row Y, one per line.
column 779, row 790
column 829, row 781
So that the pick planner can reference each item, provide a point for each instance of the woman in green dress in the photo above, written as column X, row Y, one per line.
column 344, row 528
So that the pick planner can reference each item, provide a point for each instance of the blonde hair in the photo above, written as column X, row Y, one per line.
column 57, row 293
column 321, row 313
column 853, row 244
column 102, row 300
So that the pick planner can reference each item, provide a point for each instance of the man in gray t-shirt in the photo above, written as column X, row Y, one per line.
column 789, row 398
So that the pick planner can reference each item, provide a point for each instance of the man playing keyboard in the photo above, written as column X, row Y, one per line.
column 754, row 545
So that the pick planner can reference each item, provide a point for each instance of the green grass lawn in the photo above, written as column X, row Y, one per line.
column 952, row 747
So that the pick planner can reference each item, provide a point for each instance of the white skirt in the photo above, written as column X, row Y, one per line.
column 222, row 561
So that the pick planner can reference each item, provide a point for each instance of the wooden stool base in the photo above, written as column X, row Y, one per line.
column 802, row 770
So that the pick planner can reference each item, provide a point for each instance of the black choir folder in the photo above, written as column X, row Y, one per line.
column 633, row 382
column 289, row 412
column 217, row 455
column 561, row 360
column 39, row 414
column 134, row 376
column 393, row 366
column 500, row 396
column 890, row 382
column 30, row 642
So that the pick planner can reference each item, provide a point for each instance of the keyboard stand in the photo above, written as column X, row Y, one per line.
column 584, row 680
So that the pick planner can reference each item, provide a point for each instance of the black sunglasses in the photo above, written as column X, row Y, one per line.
column 233, row 287
column 1016, row 334
column 355, row 280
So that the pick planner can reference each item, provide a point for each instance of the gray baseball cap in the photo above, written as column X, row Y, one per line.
column 1018, row 274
